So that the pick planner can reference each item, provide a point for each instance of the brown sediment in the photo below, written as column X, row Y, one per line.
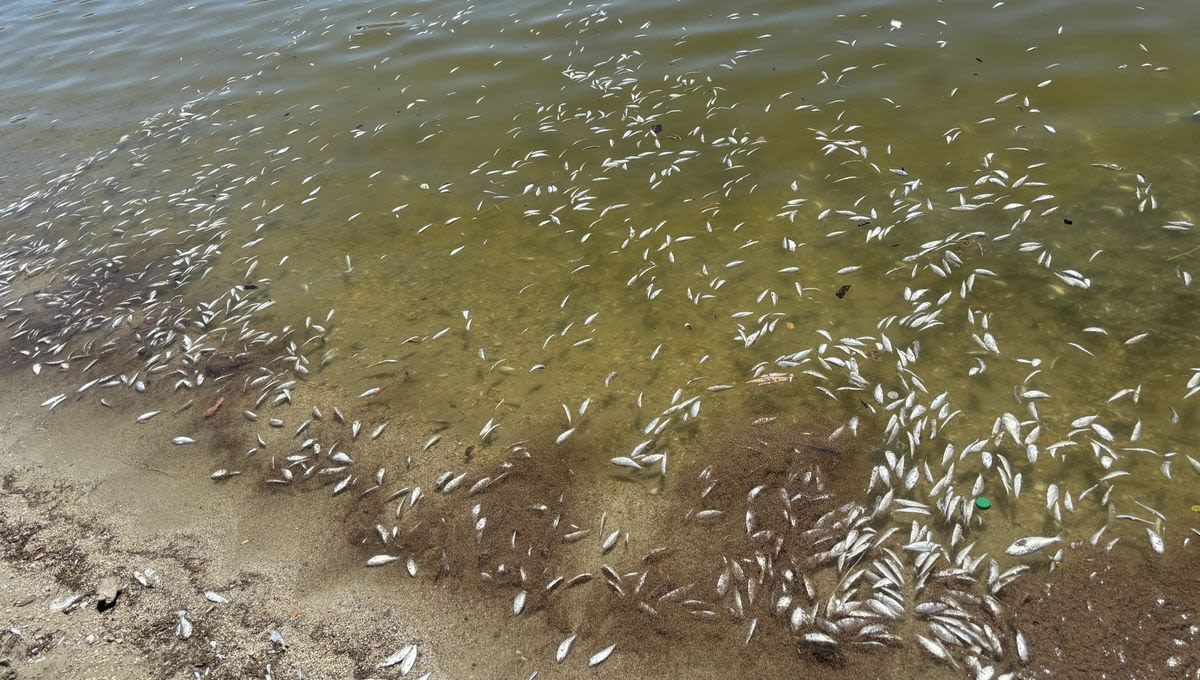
column 718, row 470
column 1120, row 614
column 525, row 507
column 654, row 594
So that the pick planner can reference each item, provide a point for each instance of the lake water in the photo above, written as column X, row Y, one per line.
column 650, row 232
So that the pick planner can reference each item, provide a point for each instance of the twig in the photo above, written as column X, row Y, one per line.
column 1173, row 257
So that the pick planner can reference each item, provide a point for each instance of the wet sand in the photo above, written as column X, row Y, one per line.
column 110, row 499
column 1112, row 615
column 80, row 504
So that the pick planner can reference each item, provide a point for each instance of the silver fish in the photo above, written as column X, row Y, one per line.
column 1030, row 545
column 396, row 658
column 518, row 604
column 1156, row 541
column 183, row 629
column 564, row 648
column 600, row 656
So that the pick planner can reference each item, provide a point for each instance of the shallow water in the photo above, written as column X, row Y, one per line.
column 482, row 196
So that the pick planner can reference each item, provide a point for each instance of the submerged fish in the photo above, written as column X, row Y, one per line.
column 1030, row 545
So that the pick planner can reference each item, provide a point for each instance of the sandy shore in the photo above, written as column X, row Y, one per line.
column 274, row 584
column 86, row 496
column 78, row 505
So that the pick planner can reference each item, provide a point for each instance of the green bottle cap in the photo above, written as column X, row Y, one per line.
column 983, row 503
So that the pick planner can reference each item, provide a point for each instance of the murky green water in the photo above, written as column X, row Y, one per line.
column 522, row 208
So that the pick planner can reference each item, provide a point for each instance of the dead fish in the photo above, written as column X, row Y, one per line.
column 215, row 597
column 1194, row 463
column 369, row 393
column 936, row 649
column 149, row 579
column 53, row 402
column 610, row 542
column 601, row 656
column 489, row 429
column 820, row 639
column 183, row 629
column 183, row 441
column 1030, row 545
column 147, row 416
column 1156, row 541
column 1012, row 426
column 454, row 483
column 518, row 604
column 579, row 579
column 750, row 631
column 625, row 461
column 397, row 657
column 573, row 536
column 409, row 661
column 380, row 560
column 770, row 379
column 64, row 603
column 564, row 648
